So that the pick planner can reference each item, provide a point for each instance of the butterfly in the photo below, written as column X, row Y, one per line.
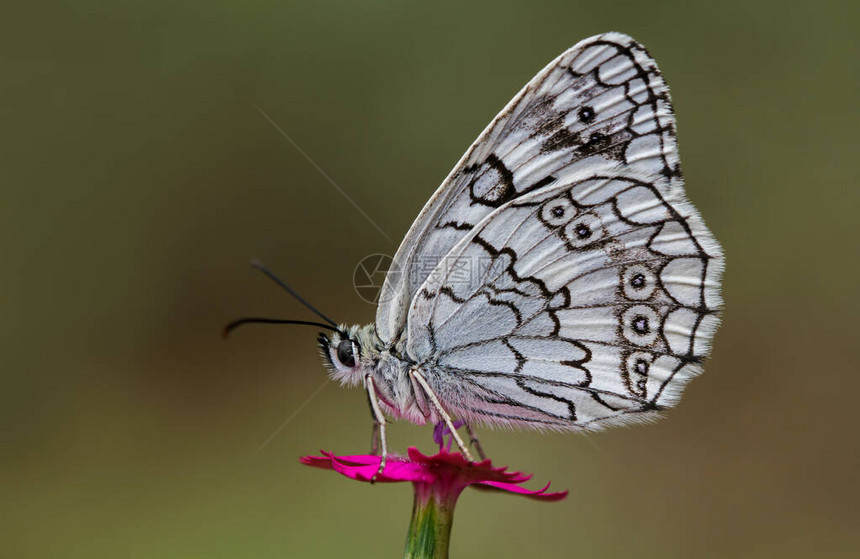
column 558, row 278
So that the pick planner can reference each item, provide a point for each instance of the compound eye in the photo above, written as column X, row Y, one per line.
column 345, row 353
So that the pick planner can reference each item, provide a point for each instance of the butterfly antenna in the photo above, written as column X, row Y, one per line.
column 257, row 264
column 255, row 320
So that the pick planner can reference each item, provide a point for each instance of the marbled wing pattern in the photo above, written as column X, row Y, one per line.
column 587, row 303
column 572, row 285
column 600, row 106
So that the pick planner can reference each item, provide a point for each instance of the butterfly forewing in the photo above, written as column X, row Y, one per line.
column 598, row 107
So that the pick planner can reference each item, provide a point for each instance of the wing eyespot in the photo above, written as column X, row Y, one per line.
column 586, row 114
column 583, row 230
column 638, row 282
column 640, row 324
column 557, row 212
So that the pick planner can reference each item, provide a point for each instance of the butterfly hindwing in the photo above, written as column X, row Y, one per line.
column 598, row 107
column 586, row 303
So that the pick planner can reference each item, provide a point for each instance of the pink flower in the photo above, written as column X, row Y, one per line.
column 437, row 481
column 445, row 474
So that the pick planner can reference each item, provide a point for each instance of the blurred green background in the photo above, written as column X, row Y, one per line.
column 139, row 178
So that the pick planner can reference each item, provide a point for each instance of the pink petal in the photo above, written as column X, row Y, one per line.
column 540, row 494
column 363, row 467
column 316, row 462
column 447, row 471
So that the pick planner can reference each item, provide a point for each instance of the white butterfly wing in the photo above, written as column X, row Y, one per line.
column 578, row 287
column 600, row 105
column 589, row 302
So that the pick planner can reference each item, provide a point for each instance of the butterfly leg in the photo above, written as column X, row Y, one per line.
column 441, row 411
column 374, row 438
column 378, row 426
column 473, row 440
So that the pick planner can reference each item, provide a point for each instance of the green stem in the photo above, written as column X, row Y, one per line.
column 430, row 527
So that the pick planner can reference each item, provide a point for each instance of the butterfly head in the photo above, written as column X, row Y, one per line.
column 348, row 353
